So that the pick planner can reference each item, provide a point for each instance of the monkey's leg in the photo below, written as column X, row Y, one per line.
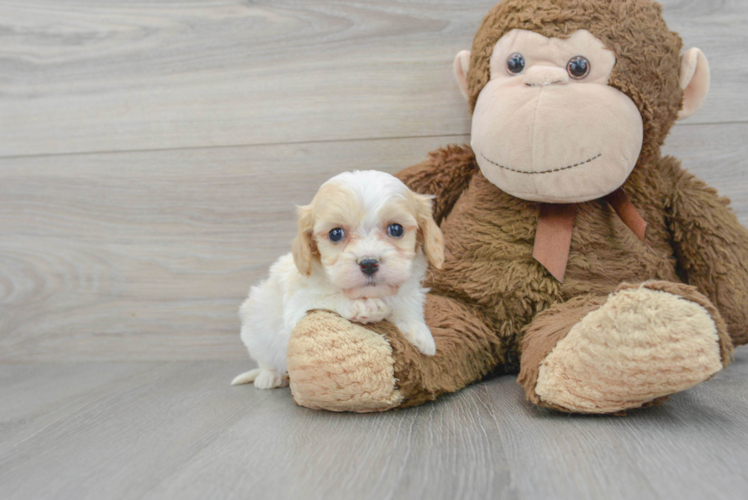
column 337, row 365
column 637, row 346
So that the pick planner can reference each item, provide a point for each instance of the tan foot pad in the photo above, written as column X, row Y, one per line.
column 336, row 365
column 640, row 345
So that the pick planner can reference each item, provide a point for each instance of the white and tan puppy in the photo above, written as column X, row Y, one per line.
column 361, row 252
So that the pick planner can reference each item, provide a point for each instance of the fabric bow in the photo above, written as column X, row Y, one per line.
column 556, row 224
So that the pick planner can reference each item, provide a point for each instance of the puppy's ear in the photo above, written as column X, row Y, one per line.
column 428, row 231
column 303, row 245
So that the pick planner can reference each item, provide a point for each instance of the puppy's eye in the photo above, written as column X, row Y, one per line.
column 336, row 234
column 395, row 230
column 578, row 67
column 515, row 64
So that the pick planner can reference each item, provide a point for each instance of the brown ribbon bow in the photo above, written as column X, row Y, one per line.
column 556, row 224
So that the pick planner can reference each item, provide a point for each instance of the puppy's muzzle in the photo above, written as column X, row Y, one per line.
column 369, row 266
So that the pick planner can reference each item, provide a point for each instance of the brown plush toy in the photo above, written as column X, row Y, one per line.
column 575, row 253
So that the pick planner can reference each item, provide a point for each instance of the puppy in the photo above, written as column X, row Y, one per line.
column 361, row 251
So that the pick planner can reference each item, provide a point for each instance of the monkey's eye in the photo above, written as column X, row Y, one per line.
column 336, row 234
column 395, row 230
column 515, row 64
column 578, row 67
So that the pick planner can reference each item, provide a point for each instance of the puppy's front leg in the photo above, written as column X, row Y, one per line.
column 363, row 310
column 410, row 322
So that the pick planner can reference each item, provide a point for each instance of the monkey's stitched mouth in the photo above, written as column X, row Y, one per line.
column 542, row 171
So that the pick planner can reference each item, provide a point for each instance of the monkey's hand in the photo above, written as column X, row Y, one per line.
column 712, row 247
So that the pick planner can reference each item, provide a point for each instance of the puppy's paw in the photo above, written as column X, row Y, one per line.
column 367, row 310
column 269, row 379
column 419, row 335
column 377, row 310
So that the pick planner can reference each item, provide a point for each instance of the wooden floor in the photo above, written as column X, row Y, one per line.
column 151, row 157
column 178, row 430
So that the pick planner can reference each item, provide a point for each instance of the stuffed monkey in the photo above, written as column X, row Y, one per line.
column 576, row 254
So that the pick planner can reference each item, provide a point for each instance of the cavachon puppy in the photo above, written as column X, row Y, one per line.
column 361, row 252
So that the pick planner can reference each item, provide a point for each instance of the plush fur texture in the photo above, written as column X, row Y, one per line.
column 339, row 366
column 641, row 344
column 508, row 288
column 492, row 304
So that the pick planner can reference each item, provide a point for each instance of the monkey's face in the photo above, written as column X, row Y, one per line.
column 547, row 126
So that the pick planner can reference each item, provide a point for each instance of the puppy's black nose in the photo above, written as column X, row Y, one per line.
column 369, row 266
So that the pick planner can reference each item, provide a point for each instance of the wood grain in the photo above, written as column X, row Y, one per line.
column 178, row 430
column 92, row 75
column 147, row 255
column 152, row 155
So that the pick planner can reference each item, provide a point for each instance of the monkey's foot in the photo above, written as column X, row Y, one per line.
column 337, row 365
column 642, row 344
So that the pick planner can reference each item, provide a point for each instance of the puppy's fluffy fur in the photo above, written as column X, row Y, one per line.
column 372, row 273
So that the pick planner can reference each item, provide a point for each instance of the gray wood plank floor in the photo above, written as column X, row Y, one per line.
column 178, row 430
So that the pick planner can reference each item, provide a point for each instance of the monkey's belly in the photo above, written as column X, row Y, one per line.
column 489, row 238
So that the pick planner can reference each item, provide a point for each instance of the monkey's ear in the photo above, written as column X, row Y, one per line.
column 694, row 80
column 460, row 67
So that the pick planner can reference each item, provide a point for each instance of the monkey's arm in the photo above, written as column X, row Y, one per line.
column 446, row 173
column 712, row 249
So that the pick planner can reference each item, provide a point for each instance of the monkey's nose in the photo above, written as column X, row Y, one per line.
column 369, row 266
column 545, row 75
